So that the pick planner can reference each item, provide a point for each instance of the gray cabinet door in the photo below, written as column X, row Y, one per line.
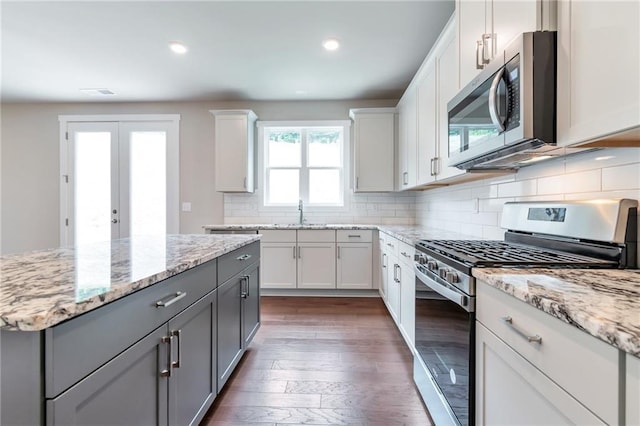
column 128, row 390
column 229, row 328
column 251, row 304
column 192, row 385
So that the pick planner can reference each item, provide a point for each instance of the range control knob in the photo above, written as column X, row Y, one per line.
column 443, row 273
column 432, row 265
column 451, row 277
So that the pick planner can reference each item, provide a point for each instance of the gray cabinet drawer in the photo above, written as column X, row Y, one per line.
column 75, row 348
column 234, row 262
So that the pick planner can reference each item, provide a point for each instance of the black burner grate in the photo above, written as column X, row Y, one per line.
column 501, row 253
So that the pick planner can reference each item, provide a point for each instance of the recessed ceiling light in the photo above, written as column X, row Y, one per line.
column 301, row 92
column 606, row 157
column 98, row 92
column 177, row 47
column 331, row 44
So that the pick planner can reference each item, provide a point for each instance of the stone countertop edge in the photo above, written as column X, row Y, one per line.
column 50, row 275
column 600, row 302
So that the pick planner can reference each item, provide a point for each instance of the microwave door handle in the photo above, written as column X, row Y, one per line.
column 493, row 101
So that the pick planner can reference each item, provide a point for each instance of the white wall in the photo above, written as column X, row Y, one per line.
column 610, row 173
column 30, row 159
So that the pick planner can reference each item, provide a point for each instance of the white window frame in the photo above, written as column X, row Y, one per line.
column 173, row 164
column 263, row 169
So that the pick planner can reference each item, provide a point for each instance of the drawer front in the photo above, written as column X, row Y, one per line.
column 354, row 236
column 391, row 245
column 405, row 253
column 234, row 262
column 316, row 236
column 571, row 358
column 75, row 348
column 277, row 236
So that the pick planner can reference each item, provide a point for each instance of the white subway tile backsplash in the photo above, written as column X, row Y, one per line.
column 512, row 189
column 600, row 159
column 621, row 177
column 586, row 181
column 615, row 174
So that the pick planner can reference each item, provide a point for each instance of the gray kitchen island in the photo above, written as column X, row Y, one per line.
column 141, row 330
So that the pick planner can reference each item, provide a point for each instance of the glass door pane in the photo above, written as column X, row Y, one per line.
column 147, row 183
column 92, row 178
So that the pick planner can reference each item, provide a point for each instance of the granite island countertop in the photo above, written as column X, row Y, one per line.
column 602, row 302
column 42, row 288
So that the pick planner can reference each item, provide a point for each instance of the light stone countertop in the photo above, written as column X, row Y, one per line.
column 602, row 302
column 42, row 288
column 409, row 234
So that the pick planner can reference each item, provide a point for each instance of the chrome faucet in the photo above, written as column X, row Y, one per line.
column 301, row 209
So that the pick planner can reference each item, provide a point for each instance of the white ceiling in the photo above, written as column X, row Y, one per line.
column 238, row 50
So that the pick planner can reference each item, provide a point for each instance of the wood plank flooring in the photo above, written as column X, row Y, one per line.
column 322, row 361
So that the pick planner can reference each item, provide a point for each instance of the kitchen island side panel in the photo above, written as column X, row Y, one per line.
column 21, row 375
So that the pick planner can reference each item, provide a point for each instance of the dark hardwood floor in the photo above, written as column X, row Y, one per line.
column 322, row 361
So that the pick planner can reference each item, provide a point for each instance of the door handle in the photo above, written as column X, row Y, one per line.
column 486, row 53
column 167, row 371
column 479, row 64
column 294, row 252
column 114, row 220
column 384, row 256
column 493, row 101
column 338, row 252
column 178, row 334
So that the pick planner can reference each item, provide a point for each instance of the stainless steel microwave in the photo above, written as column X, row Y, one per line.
column 506, row 117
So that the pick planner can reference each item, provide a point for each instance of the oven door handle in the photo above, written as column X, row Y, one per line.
column 456, row 297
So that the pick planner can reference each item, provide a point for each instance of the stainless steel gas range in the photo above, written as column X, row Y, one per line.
column 564, row 234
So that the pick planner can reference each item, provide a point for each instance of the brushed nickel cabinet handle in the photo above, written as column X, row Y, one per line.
column 178, row 334
column 479, row 64
column 179, row 295
column 243, row 257
column 167, row 371
column 531, row 339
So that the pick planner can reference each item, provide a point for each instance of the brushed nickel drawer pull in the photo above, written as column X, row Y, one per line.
column 404, row 253
column 243, row 257
column 179, row 295
column 531, row 339
column 354, row 236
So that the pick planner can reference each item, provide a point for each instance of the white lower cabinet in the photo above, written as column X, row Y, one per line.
column 398, row 285
column 523, row 381
column 382, row 267
column 510, row 390
column 633, row 390
column 317, row 265
column 407, row 294
column 311, row 259
column 279, row 253
column 393, row 289
column 354, row 253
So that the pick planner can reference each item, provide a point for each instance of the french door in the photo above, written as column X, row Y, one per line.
column 120, row 179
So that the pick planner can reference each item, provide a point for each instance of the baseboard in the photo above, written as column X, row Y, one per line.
column 319, row 293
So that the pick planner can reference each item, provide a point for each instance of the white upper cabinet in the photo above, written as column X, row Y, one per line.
column 374, row 133
column 598, row 69
column 448, row 86
column 427, row 123
column 234, row 150
column 486, row 27
column 407, row 139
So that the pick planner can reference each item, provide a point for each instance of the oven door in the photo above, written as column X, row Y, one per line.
column 445, row 344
